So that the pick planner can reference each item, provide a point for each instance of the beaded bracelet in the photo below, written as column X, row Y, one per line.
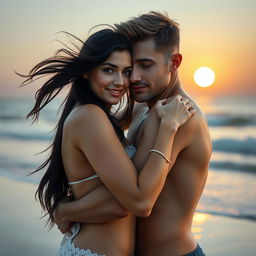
column 160, row 153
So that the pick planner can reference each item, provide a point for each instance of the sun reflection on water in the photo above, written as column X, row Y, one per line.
column 199, row 220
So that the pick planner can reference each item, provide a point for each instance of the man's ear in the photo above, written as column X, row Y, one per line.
column 175, row 61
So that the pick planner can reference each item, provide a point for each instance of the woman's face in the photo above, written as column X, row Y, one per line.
column 110, row 80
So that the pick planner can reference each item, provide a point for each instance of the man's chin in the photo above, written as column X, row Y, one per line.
column 139, row 97
column 143, row 98
column 140, row 100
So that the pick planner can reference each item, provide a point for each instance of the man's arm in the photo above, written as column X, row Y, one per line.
column 98, row 206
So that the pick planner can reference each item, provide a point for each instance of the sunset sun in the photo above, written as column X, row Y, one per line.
column 204, row 77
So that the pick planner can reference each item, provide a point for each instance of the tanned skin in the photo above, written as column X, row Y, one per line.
column 167, row 231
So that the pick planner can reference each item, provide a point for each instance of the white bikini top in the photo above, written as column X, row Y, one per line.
column 130, row 150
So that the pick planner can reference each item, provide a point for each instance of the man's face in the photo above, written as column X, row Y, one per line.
column 151, row 74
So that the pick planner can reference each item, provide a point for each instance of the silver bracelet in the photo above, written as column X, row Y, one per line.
column 160, row 153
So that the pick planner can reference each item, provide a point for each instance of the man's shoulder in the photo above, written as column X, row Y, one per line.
column 194, row 130
column 196, row 121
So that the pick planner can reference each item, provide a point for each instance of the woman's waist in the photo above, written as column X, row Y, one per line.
column 115, row 236
column 119, row 227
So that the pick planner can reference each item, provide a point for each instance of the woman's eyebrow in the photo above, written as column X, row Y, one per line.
column 109, row 64
column 113, row 65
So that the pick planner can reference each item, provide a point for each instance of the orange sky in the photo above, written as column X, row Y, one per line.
column 218, row 34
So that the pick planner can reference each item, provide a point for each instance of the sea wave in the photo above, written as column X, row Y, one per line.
column 50, row 117
column 26, row 136
column 16, row 110
column 227, row 120
column 14, row 117
column 226, row 214
column 246, row 146
column 232, row 166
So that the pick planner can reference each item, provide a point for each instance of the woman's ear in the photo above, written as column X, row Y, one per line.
column 176, row 59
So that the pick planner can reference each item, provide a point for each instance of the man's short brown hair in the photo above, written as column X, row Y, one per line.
column 158, row 26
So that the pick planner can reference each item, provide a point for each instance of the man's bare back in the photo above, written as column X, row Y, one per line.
column 167, row 231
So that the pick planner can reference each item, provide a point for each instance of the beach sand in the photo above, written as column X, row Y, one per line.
column 23, row 232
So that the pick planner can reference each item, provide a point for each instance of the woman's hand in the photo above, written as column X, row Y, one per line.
column 174, row 111
column 63, row 226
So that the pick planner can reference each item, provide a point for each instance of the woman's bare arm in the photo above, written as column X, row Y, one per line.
column 98, row 206
column 96, row 138
column 109, row 209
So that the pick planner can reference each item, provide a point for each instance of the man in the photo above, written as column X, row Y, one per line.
column 167, row 231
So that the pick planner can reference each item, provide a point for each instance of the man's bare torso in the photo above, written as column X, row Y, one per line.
column 167, row 231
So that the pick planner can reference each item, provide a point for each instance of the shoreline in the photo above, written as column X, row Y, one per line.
column 22, row 230
column 24, row 234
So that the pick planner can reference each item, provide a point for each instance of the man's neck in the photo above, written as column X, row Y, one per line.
column 172, row 89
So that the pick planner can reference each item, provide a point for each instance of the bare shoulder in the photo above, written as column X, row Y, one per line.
column 195, row 131
column 197, row 122
column 86, row 116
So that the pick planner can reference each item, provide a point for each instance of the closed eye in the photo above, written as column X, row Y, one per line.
column 146, row 64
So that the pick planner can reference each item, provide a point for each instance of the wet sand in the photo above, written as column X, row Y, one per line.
column 23, row 232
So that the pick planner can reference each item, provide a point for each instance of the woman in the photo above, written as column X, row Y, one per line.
column 89, row 147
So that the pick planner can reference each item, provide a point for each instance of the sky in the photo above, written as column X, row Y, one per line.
column 218, row 34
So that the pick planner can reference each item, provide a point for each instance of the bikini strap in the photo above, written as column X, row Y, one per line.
column 80, row 181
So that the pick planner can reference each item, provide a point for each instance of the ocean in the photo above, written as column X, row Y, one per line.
column 231, row 183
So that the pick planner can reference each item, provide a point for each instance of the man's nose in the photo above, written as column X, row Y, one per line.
column 135, row 77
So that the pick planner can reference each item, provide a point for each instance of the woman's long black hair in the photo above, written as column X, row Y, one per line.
column 68, row 67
